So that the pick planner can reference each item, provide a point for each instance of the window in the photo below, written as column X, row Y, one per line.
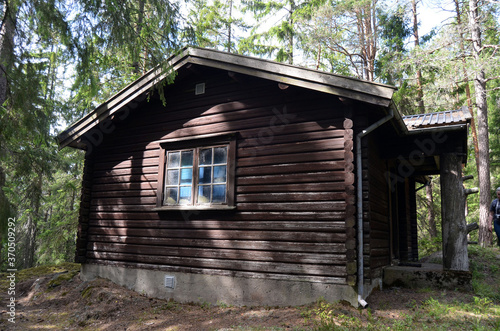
column 196, row 173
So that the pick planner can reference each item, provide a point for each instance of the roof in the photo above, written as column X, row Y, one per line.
column 438, row 119
column 346, row 87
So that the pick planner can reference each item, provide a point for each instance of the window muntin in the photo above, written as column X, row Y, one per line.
column 196, row 176
column 212, row 178
column 179, row 179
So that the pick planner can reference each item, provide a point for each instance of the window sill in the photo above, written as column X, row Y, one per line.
column 212, row 207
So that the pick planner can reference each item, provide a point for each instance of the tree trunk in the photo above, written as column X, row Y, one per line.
column 420, row 93
column 482, row 118
column 229, row 26
column 7, row 31
column 291, row 29
column 138, row 30
column 455, row 255
column 467, row 87
column 32, row 223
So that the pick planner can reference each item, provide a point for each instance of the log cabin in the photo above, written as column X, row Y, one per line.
column 221, row 177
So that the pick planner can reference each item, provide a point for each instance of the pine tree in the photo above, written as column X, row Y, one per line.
column 281, row 38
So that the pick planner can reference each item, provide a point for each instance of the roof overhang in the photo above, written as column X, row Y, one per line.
column 345, row 87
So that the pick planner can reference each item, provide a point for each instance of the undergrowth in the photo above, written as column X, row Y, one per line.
column 477, row 310
column 430, row 309
column 25, row 274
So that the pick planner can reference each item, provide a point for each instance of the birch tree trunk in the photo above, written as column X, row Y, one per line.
column 482, row 124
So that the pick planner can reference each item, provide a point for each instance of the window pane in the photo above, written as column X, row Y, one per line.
column 204, row 194
column 171, row 195
column 220, row 174
column 205, row 175
column 219, row 193
column 186, row 176
column 173, row 177
column 185, row 195
column 206, row 156
column 187, row 159
column 220, row 155
column 174, row 159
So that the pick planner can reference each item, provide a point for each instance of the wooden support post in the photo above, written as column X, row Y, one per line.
column 454, row 227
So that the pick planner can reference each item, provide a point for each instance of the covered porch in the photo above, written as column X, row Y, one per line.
column 435, row 144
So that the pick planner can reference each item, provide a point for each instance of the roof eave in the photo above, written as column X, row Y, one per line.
column 364, row 91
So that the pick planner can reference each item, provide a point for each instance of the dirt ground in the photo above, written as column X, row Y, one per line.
column 61, row 301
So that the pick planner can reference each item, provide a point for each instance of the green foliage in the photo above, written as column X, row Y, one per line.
column 395, row 30
column 214, row 25
column 281, row 38
column 40, row 271
column 436, row 312
column 327, row 318
column 484, row 265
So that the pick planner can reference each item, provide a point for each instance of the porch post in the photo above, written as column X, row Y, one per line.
column 454, row 227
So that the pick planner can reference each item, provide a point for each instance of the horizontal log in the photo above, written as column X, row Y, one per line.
column 262, row 114
column 124, row 201
column 377, row 262
column 290, row 197
column 127, row 172
column 244, row 206
column 268, row 137
column 379, row 243
column 329, row 226
column 122, row 208
column 348, row 123
column 283, row 188
column 207, row 216
column 126, row 179
column 177, row 129
column 228, row 254
column 297, row 147
column 106, row 157
column 220, row 272
column 293, row 206
column 147, row 192
column 292, row 178
column 290, row 158
column 293, row 168
column 237, row 265
column 221, row 234
column 262, row 245
column 145, row 159
column 124, row 186
column 150, row 148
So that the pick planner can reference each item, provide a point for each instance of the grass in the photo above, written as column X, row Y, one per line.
column 22, row 275
column 435, row 313
column 430, row 308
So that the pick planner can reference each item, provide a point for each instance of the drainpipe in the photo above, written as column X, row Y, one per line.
column 359, row 175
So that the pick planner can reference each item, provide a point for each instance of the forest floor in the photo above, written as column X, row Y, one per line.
column 54, row 298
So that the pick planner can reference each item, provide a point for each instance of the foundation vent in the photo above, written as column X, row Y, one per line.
column 170, row 282
column 199, row 89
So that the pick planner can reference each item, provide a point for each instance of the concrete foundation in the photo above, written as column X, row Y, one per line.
column 428, row 275
column 238, row 291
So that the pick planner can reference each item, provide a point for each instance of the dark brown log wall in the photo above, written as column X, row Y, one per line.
column 377, row 223
column 294, row 177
